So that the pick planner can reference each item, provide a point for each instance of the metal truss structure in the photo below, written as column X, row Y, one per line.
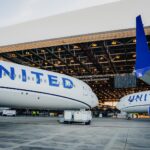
column 96, row 63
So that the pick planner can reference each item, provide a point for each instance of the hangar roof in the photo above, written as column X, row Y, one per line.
column 94, row 23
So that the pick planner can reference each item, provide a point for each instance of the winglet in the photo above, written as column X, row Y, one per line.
column 142, row 50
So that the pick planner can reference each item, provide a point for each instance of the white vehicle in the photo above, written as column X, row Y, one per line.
column 81, row 116
column 139, row 102
column 27, row 87
column 9, row 113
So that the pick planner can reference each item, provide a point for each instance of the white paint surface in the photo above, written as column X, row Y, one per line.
column 114, row 16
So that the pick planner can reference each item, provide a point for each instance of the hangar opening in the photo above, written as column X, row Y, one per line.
column 107, row 65
column 84, row 44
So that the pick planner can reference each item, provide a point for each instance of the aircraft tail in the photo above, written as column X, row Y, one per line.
column 142, row 50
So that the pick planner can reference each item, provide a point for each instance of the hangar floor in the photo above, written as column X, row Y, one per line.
column 37, row 133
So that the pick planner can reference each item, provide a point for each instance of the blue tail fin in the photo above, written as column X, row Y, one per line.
column 142, row 50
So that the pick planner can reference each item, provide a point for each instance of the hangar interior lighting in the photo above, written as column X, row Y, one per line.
column 71, row 61
column 59, row 49
column 134, row 40
column 114, row 42
column 117, row 57
column 42, row 51
column 76, row 47
column 101, row 58
column 27, row 53
column 94, row 45
column 134, row 55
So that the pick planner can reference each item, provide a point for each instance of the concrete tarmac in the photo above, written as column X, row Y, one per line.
column 45, row 133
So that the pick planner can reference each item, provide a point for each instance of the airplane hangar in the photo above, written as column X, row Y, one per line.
column 93, row 44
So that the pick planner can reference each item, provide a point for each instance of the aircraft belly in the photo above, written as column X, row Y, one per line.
column 137, row 109
column 26, row 99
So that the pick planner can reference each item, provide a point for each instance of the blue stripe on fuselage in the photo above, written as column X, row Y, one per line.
column 17, row 89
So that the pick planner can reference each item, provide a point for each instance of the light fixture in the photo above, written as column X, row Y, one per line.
column 42, row 51
column 134, row 40
column 45, row 63
column 113, row 42
column 94, row 45
column 59, row 62
column 59, row 49
column 75, row 47
column 101, row 58
column 72, row 61
column 27, row 53
column 134, row 55
column 117, row 57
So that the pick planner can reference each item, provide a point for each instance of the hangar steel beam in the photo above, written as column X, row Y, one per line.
column 76, row 59
column 26, row 59
column 109, row 58
column 41, row 58
column 45, row 60
column 53, row 54
column 91, row 56
column 10, row 59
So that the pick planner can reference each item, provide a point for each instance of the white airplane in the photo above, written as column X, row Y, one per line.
column 135, row 103
column 27, row 87
column 139, row 102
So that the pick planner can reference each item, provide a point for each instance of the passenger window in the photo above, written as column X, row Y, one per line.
column 28, row 78
column 45, row 81
column 32, row 78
